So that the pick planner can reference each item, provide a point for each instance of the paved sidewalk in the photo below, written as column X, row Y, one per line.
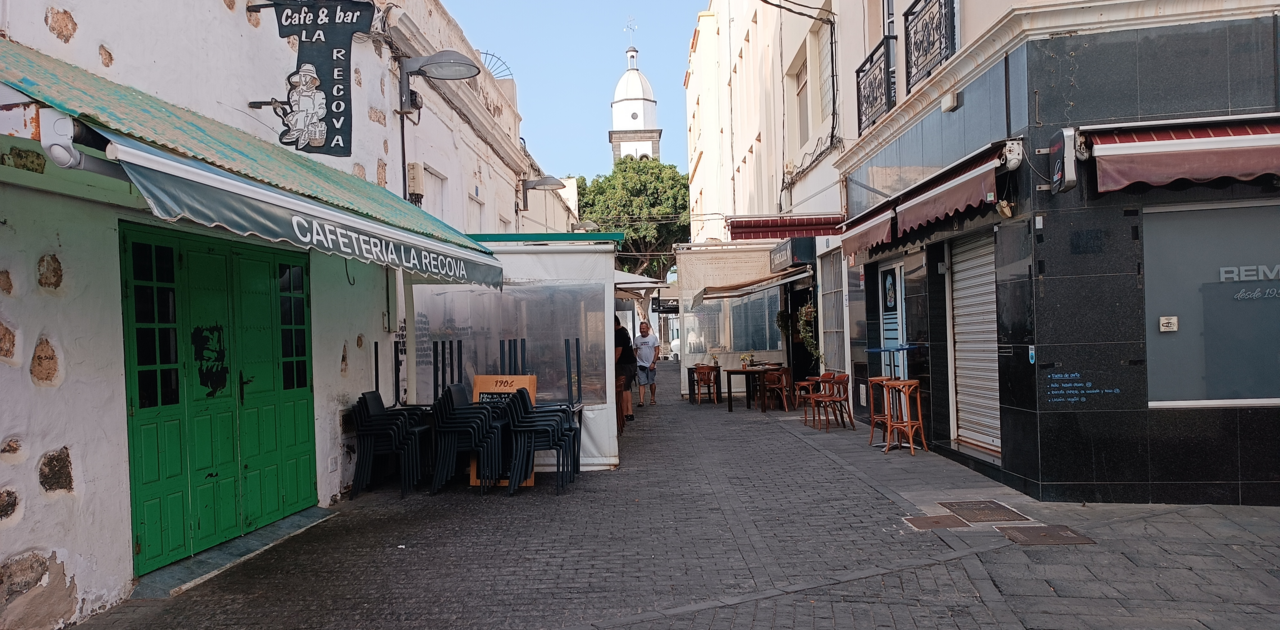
column 742, row 520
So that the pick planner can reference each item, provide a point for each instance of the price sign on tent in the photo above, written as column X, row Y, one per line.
column 490, row 389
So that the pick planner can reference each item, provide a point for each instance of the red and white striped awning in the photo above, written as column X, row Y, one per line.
column 1198, row 150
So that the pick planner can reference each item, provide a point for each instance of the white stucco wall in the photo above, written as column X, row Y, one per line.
column 347, row 302
column 89, row 527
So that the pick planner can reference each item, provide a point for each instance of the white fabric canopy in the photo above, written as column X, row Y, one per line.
column 574, row 264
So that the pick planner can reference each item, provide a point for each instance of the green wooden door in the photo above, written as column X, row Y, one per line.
column 260, row 384
column 277, row 435
column 157, row 416
column 221, row 429
column 211, row 406
column 296, row 420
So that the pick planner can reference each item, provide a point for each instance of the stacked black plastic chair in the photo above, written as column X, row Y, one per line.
column 465, row 428
column 402, row 432
column 566, row 414
column 541, row 428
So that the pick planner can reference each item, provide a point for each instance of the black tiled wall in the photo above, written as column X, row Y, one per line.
column 1070, row 289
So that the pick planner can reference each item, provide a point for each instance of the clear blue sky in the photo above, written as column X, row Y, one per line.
column 567, row 56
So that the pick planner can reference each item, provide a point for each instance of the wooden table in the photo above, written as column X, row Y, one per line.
column 752, row 377
column 693, row 386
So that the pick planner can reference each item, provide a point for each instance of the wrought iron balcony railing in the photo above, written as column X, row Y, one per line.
column 931, row 37
column 877, row 91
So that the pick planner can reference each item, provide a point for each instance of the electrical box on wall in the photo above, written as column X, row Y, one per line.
column 416, row 177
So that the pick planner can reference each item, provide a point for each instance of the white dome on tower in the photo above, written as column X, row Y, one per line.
column 633, row 83
column 635, row 115
column 633, row 104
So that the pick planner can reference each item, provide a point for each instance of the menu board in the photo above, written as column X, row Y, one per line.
column 491, row 389
column 495, row 390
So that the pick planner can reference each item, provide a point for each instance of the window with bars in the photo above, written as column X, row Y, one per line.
column 831, row 295
column 155, row 319
column 293, row 327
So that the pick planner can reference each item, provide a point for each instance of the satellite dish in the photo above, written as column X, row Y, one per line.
column 496, row 66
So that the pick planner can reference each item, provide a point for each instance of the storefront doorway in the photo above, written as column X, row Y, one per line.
column 891, row 320
column 218, row 370
column 973, row 323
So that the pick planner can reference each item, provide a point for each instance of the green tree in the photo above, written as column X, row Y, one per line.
column 649, row 202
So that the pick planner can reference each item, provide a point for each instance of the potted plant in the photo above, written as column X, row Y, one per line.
column 806, row 319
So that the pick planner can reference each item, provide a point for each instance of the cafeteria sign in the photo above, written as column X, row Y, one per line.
column 317, row 112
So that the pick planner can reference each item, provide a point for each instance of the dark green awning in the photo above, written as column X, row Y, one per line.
column 190, row 166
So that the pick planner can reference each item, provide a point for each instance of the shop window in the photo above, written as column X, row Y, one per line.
column 702, row 328
column 857, row 315
column 755, row 325
column 1212, row 306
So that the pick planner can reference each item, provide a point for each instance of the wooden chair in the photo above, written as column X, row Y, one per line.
column 901, row 421
column 779, row 382
column 813, row 388
column 705, row 376
column 878, row 417
column 836, row 402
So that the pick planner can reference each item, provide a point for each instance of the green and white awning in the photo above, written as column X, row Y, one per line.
column 192, row 167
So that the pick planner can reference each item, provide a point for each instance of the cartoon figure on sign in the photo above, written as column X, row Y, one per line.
column 305, row 111
column 890, row 295
column 211, row 357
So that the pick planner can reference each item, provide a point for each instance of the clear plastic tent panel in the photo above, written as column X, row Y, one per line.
column 536, row 318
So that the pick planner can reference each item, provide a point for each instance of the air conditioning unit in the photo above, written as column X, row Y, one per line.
column 416, row 179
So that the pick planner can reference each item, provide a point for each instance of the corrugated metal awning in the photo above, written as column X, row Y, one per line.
column 1200, row 150
column 141, row 116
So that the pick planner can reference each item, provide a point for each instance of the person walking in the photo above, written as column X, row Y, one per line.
column 647, row 346
column 624, row 364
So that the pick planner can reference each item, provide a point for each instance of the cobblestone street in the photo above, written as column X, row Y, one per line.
column 742, row 520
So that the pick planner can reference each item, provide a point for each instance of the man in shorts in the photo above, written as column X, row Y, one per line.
column 624, row 363
column 646, row 349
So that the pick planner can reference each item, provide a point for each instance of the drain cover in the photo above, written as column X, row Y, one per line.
column 983, row 511
column 1044, row 535
column 936, row 522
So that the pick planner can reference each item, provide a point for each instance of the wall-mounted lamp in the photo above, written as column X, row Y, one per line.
column 585, row 226
column 446, row 65
column 545, row 183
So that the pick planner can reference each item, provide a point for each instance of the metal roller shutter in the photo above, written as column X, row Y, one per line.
column 973, row 304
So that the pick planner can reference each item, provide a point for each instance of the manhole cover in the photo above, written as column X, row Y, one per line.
column 1044, row 535
column 983, row 511
column 936, row 522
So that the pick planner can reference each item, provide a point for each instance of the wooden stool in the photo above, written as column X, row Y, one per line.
column 900, row 420
column 878, row 418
